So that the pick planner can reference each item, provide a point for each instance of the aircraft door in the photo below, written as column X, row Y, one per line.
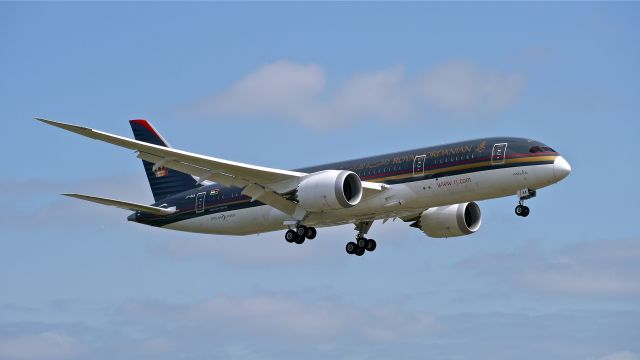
column 418, row 165
column 200, row 202
column 498, row 154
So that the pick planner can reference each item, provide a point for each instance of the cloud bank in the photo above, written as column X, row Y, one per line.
column 43, row 345
column 270, row 316
column 277, row 326
column 299, row 93
column 595, row 268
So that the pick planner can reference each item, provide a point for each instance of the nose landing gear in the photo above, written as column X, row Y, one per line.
column 524, row 194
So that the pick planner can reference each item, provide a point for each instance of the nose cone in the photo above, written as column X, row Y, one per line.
column 132, row 217
column 561, row 168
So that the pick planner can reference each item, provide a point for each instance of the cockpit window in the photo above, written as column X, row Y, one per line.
column 537, row 149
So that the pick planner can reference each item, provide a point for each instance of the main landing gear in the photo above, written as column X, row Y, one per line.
column 361, row 244
column 524, row 194
column 300, row 233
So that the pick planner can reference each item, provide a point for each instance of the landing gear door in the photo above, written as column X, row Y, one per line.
column 418, row 165
column 498, row 154
column 200, row 202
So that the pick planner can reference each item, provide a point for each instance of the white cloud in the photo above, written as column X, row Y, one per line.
column 46, row 345
column 465, row 89
column 282, row 86
column 595, row 268
column 282, row 326
column 298, row 93
column 621, row 355
column 283, row 317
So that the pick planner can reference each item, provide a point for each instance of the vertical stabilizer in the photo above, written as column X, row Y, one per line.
column 163, row 182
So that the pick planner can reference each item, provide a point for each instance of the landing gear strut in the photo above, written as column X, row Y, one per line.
column 524, row 194
column 300, row 233
column 361, row 244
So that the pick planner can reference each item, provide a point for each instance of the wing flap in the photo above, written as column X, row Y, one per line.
column 253, row 190
column 124, row 204
column 200, row 172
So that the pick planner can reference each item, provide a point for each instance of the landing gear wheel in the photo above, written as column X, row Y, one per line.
column 524, row 194
column 371, row 245
column 299, row 240
column 301, row 230
column 311, row 233
column 351, row 248
column 362, row 243
column 290, row 236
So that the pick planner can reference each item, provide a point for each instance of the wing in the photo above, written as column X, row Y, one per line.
column 124, row 204
column 260, row 183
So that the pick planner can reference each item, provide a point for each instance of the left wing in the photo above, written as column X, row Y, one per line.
column 155, row 210
column 260, row 183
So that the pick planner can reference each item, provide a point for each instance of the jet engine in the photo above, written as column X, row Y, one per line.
column 450, row 221
column 329, row 190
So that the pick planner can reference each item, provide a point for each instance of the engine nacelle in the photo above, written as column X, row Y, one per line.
column 450, row 221
column 329, row 190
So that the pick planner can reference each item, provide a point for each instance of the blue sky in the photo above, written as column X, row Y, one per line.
column 294, row 84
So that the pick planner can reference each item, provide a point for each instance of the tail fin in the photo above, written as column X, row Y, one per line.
column 163, row 182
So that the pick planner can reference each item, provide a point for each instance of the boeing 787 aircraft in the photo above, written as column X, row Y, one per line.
column 435, row 189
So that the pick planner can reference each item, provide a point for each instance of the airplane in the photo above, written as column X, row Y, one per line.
column 435, row 189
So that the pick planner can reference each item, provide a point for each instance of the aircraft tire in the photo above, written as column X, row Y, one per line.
column 301, row 230
column 371, row 245
column 290, row 236
column 311, row 233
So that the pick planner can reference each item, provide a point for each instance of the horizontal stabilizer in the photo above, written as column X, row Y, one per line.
column 125, row 204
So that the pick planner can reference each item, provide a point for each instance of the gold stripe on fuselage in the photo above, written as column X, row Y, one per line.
column 467, row 166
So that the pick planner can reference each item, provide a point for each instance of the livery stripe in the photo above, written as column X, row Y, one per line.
column 459, row 168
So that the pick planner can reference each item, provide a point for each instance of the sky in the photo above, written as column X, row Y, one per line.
column 289, row 85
